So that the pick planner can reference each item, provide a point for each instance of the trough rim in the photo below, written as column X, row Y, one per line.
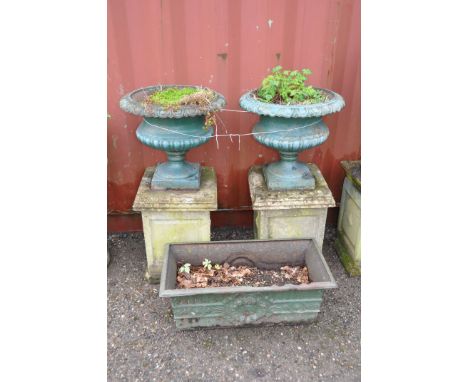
column 163, row 292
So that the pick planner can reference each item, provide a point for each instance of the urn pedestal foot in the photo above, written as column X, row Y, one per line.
column 174, row 216
column 288, row 174
column 289, row 214
column 176, row 174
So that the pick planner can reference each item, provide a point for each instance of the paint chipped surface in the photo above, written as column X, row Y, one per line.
column 115, row 138
column 119, row 178
column 269, row 22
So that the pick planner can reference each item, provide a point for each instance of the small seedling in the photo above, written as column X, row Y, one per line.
column 185, row 268
column 207, row 264
column 217, row 267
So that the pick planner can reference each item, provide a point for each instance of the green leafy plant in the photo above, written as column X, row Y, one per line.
column 207, row 264
column 185, row 268
column 288, row 87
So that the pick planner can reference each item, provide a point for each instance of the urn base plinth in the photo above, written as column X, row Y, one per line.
column 176, row 176
column 290, row 214
column 172, row 216
column 288, row 174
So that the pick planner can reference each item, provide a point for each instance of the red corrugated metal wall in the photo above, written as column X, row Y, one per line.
column 228, row 45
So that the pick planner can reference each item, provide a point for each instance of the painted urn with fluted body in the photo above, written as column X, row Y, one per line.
column 174, row 131
column 291, row 129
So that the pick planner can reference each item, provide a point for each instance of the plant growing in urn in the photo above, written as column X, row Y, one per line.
column 290, row 121
column 175, row 119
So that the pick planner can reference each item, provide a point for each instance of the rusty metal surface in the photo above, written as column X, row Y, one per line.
column 229, row 46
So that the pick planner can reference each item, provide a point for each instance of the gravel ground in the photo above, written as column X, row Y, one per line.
column 143, row 344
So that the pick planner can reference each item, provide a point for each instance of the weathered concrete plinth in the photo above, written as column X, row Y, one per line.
column 290, row 214
column 174, row 216
column 348, row 243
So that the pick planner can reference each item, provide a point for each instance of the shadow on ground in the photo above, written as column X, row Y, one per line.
column 143, row 344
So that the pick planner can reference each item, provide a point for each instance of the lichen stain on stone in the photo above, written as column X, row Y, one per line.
column 263, row 199
column 222, row 55
column 203, row 199
column 353, row 267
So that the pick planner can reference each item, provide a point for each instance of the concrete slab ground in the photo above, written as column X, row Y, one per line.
column 143, row 344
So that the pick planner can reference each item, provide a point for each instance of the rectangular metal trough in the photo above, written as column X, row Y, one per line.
column 246, row 305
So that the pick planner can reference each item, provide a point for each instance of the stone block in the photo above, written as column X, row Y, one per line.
column 174, row 216
column 288, row 214
column 349, row 228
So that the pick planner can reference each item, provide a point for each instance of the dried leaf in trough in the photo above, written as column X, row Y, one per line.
column 227, row 275
column 200, row 280
column 289, row 272
column 183, row 282
column 303, row 276
column 211, row 272
column 241, row 272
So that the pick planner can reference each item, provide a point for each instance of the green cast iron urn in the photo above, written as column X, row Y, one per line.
column 174, row 131
column 291, row 129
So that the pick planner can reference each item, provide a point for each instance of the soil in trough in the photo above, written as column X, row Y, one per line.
column 228, row 276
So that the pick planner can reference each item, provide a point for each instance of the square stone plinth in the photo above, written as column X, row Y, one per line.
column 349, row 221
column 174, row 216
column 289, row 214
